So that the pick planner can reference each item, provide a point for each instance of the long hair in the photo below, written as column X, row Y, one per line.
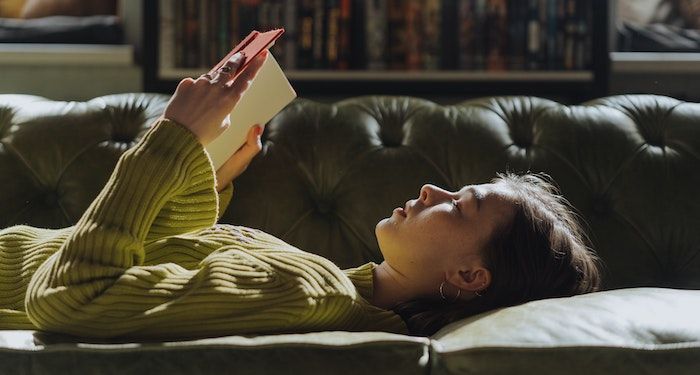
column 542, row 252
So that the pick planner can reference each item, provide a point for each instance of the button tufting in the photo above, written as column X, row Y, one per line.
column 655, row 142
column 324, row 207
column 121, row 138
column 390, row 139
column 390, row 144
column 601, row 205
column 51, row 198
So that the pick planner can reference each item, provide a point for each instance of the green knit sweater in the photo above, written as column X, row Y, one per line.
column 147, row 260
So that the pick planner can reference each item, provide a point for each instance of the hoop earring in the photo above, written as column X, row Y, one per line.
column 442, row 294
column 477, row 291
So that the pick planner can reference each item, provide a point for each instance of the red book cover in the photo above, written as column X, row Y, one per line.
column 251, row 46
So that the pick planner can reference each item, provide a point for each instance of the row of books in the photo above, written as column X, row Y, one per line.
column 384, row 34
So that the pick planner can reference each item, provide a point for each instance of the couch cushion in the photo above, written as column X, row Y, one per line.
column 23, row 352
column 638, row 330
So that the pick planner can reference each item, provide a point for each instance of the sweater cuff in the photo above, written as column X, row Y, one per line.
column 169, row 140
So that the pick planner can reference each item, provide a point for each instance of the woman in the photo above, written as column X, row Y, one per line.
column 147, row 259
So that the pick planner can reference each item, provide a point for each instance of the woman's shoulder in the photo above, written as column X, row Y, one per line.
column 287, row 260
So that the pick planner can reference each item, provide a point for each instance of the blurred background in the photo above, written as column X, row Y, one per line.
column 442, row 50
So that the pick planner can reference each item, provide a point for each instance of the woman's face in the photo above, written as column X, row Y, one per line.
column 443, row 231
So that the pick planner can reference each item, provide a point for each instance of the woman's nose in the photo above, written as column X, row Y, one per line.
column 430, row 193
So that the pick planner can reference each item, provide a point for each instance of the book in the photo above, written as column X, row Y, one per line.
column 268, row 93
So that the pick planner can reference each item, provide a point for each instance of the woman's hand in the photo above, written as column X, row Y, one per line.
column 203, row 105
column 238, row 162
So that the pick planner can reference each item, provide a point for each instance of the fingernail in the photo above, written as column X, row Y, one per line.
column 238, row 56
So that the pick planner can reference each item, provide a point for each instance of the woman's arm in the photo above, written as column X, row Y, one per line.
column 202, row 106
column 96, row 284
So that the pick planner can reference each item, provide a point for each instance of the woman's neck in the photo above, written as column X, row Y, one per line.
column 390, row 287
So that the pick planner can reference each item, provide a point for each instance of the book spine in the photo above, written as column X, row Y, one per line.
column 211, row 25
column 319, row 35
column 166, row 43
column 432, row 36
column 413, row 37
column 345, row 19
column 376, row 22
column 306, row 34
column 290, row 43
column 235, row 33
column 263, row 11
column 333, row 34
column 584, row 44
column 481, row 35
column 497, row 29
column 450, row 35
column 357, row 55
column 552, row 27
column 224, row 30
column 179, row 34
column 517, row 32
column 191, row 42
column 533, row 36
column 561, row 33
column 396, row 37
column 542, row 56
column 466, row 35
column 569, row 34
column 203, row 33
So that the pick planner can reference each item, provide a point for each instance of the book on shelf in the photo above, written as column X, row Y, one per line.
column 414, row 35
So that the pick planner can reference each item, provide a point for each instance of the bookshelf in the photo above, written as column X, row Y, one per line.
column 568, row 85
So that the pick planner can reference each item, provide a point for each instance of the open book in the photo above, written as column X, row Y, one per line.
column 268, row 93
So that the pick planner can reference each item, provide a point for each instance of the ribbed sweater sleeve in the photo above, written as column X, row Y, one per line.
column 96, row 284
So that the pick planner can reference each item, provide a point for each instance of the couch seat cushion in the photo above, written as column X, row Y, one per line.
column 636, row 330
column 336, row 352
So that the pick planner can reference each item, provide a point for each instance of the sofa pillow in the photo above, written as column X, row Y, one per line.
column 647, row 329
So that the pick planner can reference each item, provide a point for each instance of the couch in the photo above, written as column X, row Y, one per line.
column 328, row 172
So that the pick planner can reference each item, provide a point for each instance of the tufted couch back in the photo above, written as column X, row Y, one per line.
column 329, row 173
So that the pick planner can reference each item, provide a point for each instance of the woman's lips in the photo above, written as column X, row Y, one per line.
column 400, row 211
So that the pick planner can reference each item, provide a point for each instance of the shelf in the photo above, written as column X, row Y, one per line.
column 66, row 54
column 411, row 76
column 656, row 62
column 569, row 86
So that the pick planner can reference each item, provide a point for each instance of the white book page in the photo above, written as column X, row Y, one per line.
column 268, row 93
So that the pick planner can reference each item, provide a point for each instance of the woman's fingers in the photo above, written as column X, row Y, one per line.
column 229, row 69
column 253, row 143
column 240, row 84
column 239, row 161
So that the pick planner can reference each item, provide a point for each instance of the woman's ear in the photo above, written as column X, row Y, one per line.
column 472, row 280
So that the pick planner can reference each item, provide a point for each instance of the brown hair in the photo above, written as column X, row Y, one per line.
column 542, row 252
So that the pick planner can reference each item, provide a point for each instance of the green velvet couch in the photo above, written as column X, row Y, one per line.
column 328, row 173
